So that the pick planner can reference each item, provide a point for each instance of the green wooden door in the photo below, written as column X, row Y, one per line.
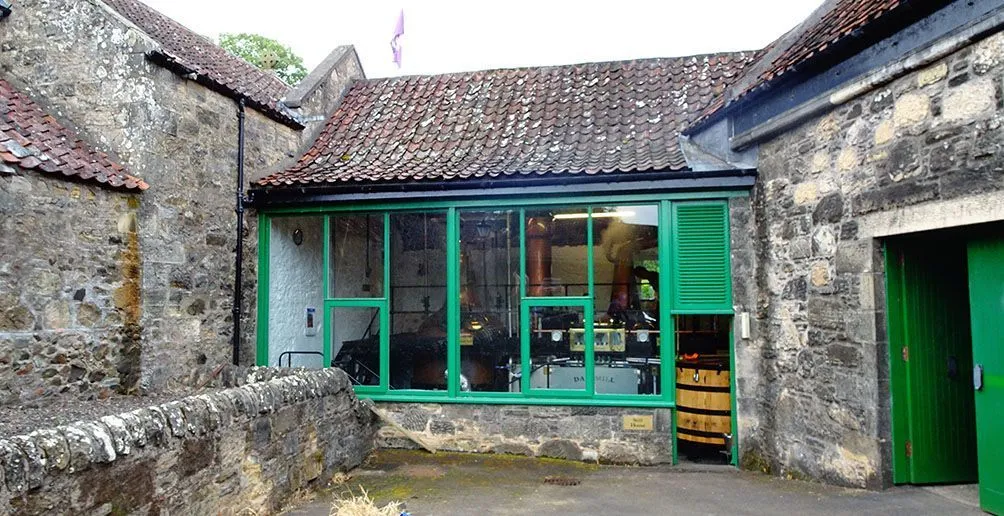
column 986, row 293
column 931, row 360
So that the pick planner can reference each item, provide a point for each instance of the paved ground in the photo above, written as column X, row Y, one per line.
column 457, row 484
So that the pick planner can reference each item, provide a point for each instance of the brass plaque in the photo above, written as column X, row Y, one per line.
column 638, row 423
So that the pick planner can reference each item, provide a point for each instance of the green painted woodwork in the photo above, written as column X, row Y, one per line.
column 986, row 295
column 702, row 282
column 264, row 253
column 709, row 209
column 930, row 357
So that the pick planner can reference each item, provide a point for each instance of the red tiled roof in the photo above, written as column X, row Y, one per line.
column 839, row 22
column 189, row 52
column 842, row 20
column 588, row 118
column 32, row 139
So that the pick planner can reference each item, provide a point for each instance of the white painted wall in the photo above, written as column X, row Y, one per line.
column 295, row 282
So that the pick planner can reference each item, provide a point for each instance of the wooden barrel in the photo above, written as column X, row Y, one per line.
column 703, row 402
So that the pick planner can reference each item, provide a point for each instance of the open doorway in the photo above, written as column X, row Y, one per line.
column 945, row 301
column 704, row 417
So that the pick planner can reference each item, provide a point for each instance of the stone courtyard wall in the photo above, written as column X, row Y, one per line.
column 573, row 433
column 69, row 278
column 86, row 65
column 243, row 450
column 922, row 152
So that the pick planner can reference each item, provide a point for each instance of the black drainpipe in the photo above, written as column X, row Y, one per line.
column 239, row 252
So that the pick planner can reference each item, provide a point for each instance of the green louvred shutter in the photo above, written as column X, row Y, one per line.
column 702, row 280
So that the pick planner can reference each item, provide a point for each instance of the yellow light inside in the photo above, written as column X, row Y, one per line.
column 601, row 215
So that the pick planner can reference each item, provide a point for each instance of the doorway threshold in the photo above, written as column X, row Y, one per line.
column 965, row 494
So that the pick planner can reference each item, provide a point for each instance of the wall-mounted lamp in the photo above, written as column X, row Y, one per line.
column 5, row 8
column 297, row 236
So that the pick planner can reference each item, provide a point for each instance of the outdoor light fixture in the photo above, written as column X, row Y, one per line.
column 5, row 7
column 297, row 233
column 601, row 215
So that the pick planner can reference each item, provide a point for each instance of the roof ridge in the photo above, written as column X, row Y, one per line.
column 185, row 51
column 559, row 66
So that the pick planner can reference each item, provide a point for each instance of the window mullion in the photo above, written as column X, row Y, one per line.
column 452, row 303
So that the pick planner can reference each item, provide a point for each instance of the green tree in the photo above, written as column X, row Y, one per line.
column 267, row 54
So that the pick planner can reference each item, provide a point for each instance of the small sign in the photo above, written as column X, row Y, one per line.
column 638, row 423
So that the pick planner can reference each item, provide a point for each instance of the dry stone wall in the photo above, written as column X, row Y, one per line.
column 816, row 376
column 246, row 448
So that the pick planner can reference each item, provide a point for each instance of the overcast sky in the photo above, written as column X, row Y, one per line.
column 449, row 36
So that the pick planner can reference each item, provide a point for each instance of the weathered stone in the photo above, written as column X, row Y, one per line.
column 932, row 74
column 560, row 449
column 830, row 209
column 911, row 109
column 969, row 101
column 806, row 193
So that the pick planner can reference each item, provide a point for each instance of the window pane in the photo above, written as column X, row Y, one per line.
column 418, row 300
column 356, row 255
column 556, row 252
column 489, row 300
column 295, row 288
column 626, row 287
column 557, row 339
column 355, row 343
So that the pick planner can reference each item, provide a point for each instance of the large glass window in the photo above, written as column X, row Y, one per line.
column 356, row 255
column 626, row 299
column 489, row 300
column 355, row 342
column 556, row 252
column 418, row 339
column 465, row 300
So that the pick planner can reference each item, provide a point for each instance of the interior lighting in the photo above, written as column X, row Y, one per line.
column 600, row 215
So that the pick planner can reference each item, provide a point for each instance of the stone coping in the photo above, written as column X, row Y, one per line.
column 26, row 460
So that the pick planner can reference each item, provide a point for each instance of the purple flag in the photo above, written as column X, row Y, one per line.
column 395, row 42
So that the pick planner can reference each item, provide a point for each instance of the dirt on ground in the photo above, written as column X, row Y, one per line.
column 463, row 484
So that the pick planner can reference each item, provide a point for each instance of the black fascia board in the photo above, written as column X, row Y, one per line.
column 557, row 185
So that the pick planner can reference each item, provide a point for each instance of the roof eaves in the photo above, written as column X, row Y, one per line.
column 279, row 112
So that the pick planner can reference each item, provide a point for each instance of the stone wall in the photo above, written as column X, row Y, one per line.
column 239, row 450
column 920, row 148
column 574, row 433
column 68, row 288
column 86, row 65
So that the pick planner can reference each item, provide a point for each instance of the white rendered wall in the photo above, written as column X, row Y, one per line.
column 295, row 282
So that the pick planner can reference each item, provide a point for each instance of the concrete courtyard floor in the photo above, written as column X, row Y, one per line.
column 464, row 484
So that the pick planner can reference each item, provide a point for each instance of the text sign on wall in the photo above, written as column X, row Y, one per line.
column 638, row 423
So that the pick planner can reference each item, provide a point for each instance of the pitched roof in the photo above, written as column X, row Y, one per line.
column 32, row 139
column 839, row 22
column 185, row 51
column 833, row 23
column 614, row 117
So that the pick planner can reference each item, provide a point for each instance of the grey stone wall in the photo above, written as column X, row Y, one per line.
column 68, row 288
column 86, row 65
column 921, row 148
column 574, row 433
column 228, row 452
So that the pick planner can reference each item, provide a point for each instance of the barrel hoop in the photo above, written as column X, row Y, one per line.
column 703, row 412
column 702, row 388
column 700, row 433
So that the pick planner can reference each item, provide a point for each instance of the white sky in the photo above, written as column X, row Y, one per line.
column 452, row 35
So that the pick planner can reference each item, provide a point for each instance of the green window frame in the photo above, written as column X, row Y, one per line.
column 691, row 225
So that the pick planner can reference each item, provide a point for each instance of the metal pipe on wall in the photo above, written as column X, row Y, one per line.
column 239, row 251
